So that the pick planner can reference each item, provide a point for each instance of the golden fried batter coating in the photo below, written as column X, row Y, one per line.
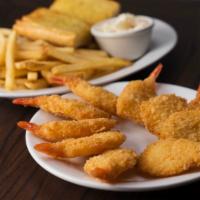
column 89, row 11
column 183, row 124
column 97, row 96
column 85, row 146
column 157, row 109
column 135, row 92
column 55, row 131
column 54, row 27
column 110, row 164
column 170, row 157
column 59, row 106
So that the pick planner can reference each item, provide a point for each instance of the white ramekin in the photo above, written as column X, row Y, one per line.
column 130, row 44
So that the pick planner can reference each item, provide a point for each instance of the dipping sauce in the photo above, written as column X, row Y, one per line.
column 124, row 22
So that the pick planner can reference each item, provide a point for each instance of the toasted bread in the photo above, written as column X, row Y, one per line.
column 90, row 11
column 54, row 27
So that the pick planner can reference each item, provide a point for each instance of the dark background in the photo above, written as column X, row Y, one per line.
column 21, row 178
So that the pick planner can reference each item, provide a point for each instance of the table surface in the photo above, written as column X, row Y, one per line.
column 21, row 178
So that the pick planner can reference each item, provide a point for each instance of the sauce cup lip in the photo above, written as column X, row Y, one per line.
column 97, row 33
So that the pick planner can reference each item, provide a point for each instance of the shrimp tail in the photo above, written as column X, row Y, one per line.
column 196, row 101
column 198, row 92
column 28, row 126
column 61, row 80
column 156, row 72
column 58, row 80
column 49, row 149
column 26, row 101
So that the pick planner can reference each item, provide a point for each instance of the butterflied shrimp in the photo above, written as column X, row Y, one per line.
column 156, row 110
column 95, row 95
column 59, row 106
column 58, row 130
column 183, row 124
column 85, row 146
column 170, row 157
column 110, row 164
column 135, row 92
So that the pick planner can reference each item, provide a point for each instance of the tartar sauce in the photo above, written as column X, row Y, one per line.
column 124, row 22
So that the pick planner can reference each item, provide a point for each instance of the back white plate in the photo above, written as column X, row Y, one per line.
column 164, row 39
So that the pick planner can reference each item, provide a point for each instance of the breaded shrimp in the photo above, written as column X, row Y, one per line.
column 156, row 110
column 55, row 131
column 170, row 157
column 110, row 164
column 183, row 124
column 135, row 92
column 85, row 146
column 59, row 106
column 97, row 96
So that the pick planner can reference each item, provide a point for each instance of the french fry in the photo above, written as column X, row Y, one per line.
column 30, row 54
column 64, row 68
column 35, row 65
column 61, row 55
column 19, row 84
column 2, row 73
column 2, row 83
column 28, row 45
column 2, row 49
column 90, row 55
column 5, row 31
column 10, row 62
column 47, row 75
column 18, row 73
column 65, row 49
column 32, row 76
column 107, row 64
column 87, row 74
column 38, row 84
column 69, row 55
column 90, row 52
column 87, row 57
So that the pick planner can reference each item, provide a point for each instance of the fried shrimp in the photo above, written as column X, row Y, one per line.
column 85, row 146
column 156, row 110
column 129, row 101
column 58, row 130
column 111, row 164
column 170, row 157
column 59, row 106
column 95, row 95
column 183, row 124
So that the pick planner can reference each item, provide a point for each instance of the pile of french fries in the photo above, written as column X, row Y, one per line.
column 26, row 64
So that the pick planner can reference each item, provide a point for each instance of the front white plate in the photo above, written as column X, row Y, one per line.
column 137, row 138
column 164, row 39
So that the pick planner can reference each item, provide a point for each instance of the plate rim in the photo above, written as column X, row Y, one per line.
column 121, row 73
column 110, row 187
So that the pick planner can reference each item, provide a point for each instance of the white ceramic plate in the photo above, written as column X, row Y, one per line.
column 164, row 39
column 137, row 138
